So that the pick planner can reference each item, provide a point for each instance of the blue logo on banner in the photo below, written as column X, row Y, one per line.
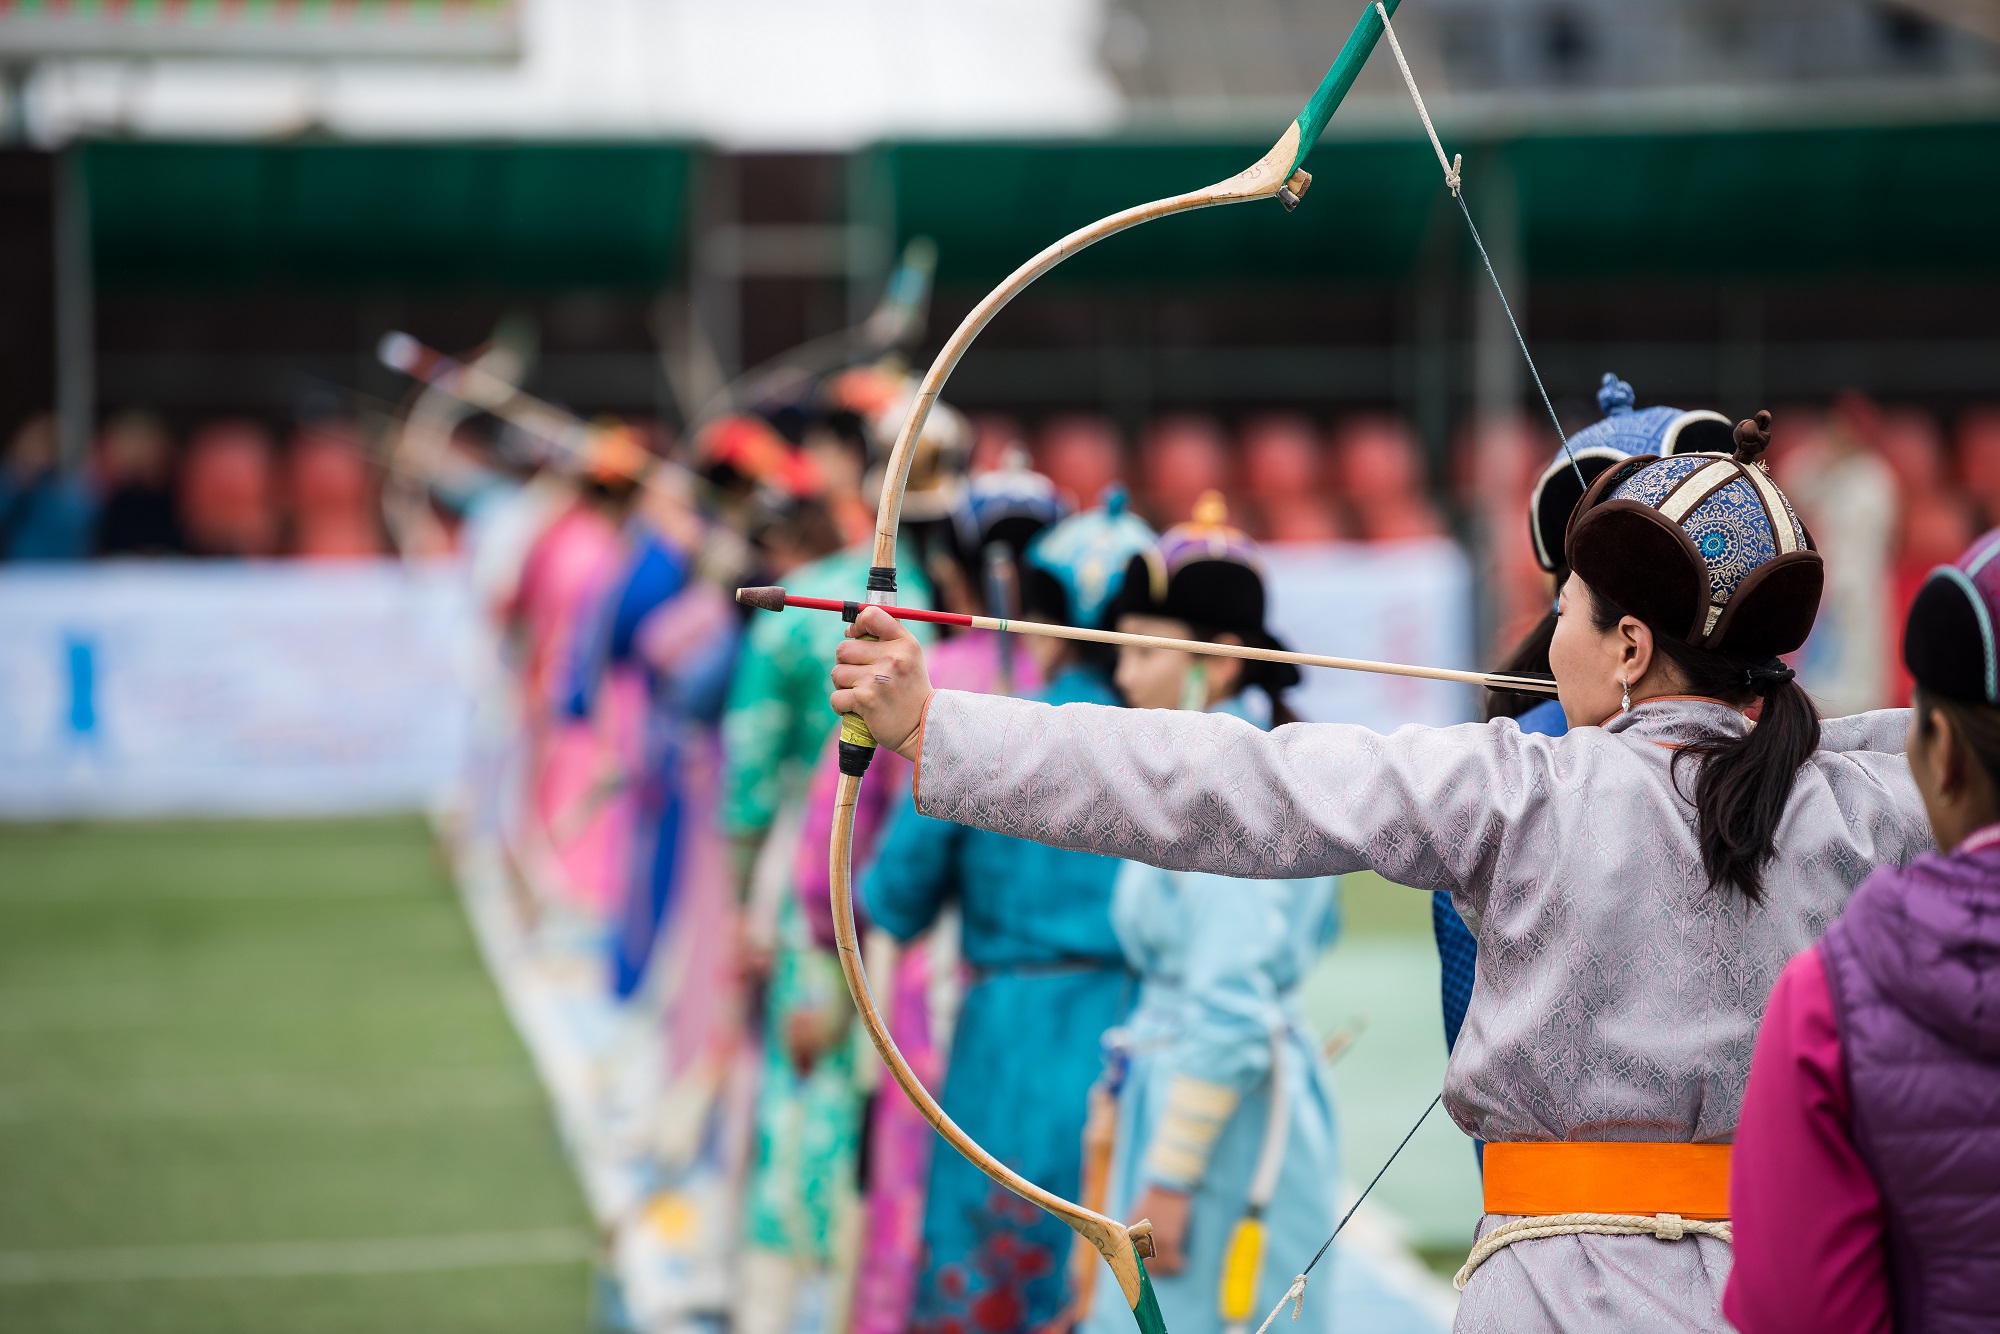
column 82, row 686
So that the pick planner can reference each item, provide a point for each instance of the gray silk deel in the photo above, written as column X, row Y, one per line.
column 1617, row 996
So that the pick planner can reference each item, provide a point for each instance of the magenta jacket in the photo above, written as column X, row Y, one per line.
column 1865, row 1187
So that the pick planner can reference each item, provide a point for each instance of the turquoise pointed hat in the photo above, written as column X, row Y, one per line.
column 1086, row 554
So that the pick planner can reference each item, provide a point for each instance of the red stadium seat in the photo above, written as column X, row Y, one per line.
column 1183, row 456
column 333, row 493
column 228, row 505
column 1381, row 477
column 1083, row 454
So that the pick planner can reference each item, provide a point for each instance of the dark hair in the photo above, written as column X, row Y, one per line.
column 1744, row 783
column 1273, row 678
column 801, row 523
column 1529, row 658
column 1976, row 725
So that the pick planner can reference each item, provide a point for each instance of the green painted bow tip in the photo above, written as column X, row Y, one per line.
column 1147, row 1312
column 1319, row 110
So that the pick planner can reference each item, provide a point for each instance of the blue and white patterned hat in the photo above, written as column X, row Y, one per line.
column 1013, row 491
column 1086, row 555
column 1704, row 547
column 1622, row 433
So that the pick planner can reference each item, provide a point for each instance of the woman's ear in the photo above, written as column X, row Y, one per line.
column 1948, row 757
column 1636, row 652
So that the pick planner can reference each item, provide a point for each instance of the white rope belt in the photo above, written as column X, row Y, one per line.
column 1667, row 1227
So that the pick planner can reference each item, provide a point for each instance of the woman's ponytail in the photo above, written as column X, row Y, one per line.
column 1742, row 784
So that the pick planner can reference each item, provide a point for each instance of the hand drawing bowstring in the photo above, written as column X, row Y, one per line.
column 1276, row 175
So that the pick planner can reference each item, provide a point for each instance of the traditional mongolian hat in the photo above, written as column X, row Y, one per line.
column 1078, row 566
column 745, row 451
column 614, row 459
column 1622, row 433
column 1949, row 641
column 1206, row 573
column 1703, row 547
column 1012, row 503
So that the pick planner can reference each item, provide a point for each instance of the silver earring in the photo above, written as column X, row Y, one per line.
column 1624, row 696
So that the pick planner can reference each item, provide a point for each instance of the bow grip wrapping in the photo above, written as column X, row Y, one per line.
column 857, row 743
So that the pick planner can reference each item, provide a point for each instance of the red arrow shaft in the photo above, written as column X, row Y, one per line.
column 900, row 613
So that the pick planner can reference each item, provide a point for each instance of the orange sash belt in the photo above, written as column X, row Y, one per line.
column 1602, row 1177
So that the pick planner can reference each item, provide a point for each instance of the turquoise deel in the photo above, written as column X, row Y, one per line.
column 1048, row 979
column 1221, row 962
column 1319, row 110
column 807, row 1127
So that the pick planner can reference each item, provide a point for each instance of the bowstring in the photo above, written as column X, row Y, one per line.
column 1296, row 1293
column 1454, row 180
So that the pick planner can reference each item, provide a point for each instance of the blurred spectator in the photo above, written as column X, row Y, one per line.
column 44, row 514
column 1284, row 474
column 1936, row 521
column 1082, row 454
column 836, row 444
column 1381, row 476
column 227, row 505
column 1933, row 521
column 1182, row 457
column 1847, row 496
column 334, row 506
column 135, row 474
column 1979, row 461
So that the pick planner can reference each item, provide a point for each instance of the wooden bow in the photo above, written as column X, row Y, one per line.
column 1276, row 175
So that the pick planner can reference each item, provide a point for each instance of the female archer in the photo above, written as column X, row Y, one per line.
column 1225, row 1119
column 1635, row 885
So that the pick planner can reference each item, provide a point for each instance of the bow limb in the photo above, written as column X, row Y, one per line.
column 1276, row 175
column 1112, row 1239
column 1277, row 171
column 421, row 441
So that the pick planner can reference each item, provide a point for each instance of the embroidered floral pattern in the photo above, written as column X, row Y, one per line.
column 1653, row 483
column 1733, row 535
column 1729, row 528
column 1011, row 1282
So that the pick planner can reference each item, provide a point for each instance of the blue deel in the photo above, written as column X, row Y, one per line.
column 1049, row 978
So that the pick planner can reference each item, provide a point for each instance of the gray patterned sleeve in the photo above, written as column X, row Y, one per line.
column 1426, row 807
column 1882, row 731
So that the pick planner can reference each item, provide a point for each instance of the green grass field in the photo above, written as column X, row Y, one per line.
column 253, row 1077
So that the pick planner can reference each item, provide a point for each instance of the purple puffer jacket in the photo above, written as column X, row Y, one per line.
column 1914, row 968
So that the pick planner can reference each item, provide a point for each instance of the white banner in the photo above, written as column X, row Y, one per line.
column 1408, row 602
column 226, row 688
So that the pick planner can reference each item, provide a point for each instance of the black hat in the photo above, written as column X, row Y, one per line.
column 1206, row 573
column 1948, row 641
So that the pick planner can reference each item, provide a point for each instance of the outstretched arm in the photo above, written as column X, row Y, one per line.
column 1427, row 807
column 1881, row 731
